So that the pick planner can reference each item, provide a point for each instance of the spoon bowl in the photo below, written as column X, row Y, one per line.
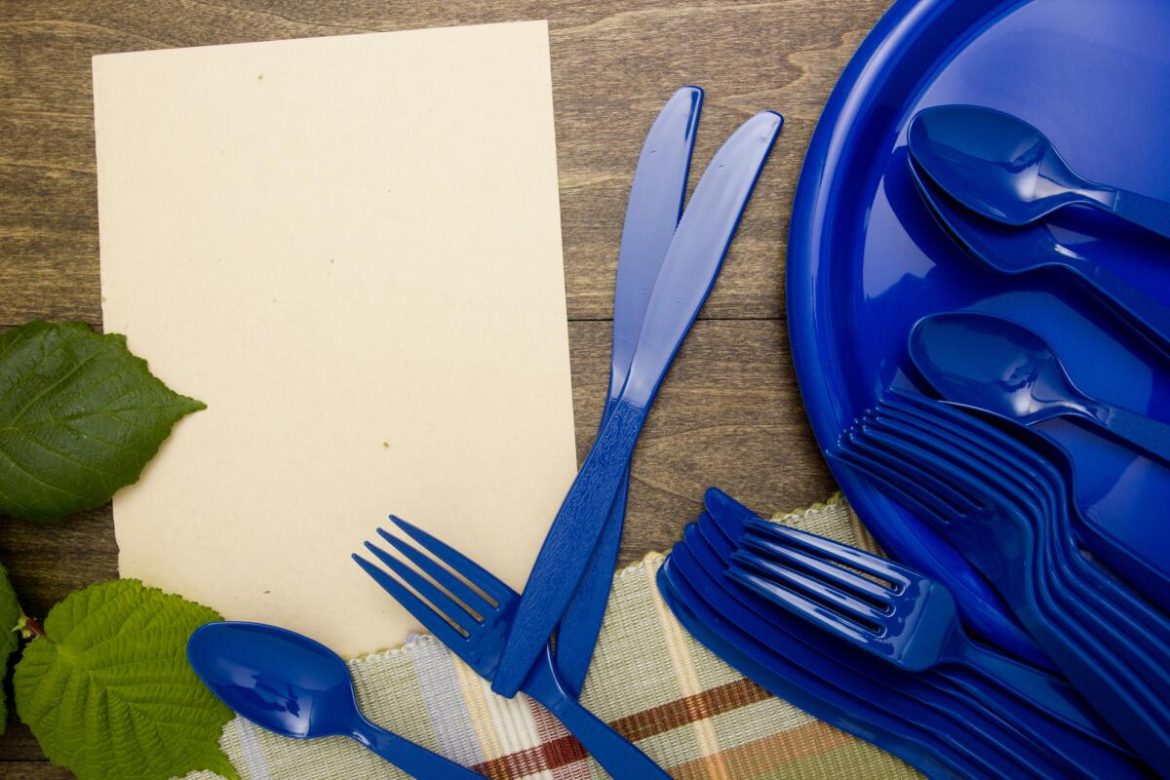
column 1002, row 168
column 997, row 365
column 1086, row 257
column 994, row 163
column 297, row 687
column 280, row 680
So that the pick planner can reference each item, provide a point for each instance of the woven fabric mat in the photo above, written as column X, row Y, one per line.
column 693, row 714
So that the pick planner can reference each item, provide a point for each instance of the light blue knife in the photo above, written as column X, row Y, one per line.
column 652, row 214
column 688, row 272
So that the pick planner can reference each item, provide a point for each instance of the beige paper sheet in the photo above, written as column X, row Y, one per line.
column 349, row 248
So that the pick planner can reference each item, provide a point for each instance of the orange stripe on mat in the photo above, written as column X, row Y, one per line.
column 772, row 751
column 647, row 723
column 680, row 712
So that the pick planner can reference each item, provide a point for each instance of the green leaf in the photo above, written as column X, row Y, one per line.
column 9, row 638
column 79, row 418
column 108, row 692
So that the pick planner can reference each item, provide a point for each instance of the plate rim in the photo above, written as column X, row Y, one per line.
column 884, row 44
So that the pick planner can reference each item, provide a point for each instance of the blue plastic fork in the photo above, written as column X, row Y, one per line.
column 471, row 612
column 881, row 705
column 1049, row 601
column 1009, row 718
column 1081, row 587
column 911, row 621
column 1042, row 485
column 786, row 674
column 1021, row 552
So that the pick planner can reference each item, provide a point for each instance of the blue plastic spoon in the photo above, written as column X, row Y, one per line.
column 993, row 364
column 1087, row 256
column 297, row 687
column 1000, row 166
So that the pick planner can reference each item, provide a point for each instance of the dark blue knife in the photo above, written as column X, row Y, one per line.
column 688, row 272
column 652, row 214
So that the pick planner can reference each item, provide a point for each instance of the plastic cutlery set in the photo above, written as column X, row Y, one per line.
column 957, row 437
column 979, row 309
column 541, row 642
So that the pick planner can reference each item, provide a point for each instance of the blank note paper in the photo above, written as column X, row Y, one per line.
column 349, row 248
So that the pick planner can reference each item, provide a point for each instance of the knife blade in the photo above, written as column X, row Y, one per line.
column 688, row 272
column 652, row 213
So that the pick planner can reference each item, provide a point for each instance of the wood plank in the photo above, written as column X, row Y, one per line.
column 729, row 414
column 32, row 770
column 611, row 70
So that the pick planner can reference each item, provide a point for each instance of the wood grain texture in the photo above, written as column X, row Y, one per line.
column 729, row 414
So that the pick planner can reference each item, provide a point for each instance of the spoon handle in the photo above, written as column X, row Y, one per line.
column 413, row 759
column 1149, row 316
column 1148, row 435
column 1150, row 213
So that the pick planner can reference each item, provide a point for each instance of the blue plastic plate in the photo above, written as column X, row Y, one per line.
column 866, row 260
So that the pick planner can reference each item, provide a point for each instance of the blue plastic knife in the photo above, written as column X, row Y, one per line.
column 652, row 214
column 688, row 272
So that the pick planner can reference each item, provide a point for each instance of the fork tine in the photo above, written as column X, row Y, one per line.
column 469, row 569
column 979, row 434
column 955, row 450
column 809, row 551
column 910, row 433
column 970, row 437
column 826, row 593
column 445, row 579
column 903, row 450
column 805, row 608
column 880, row 449
column 447, row 607
column 923, row 503
column 968, row 444
column 977, row 484
column 412, row 604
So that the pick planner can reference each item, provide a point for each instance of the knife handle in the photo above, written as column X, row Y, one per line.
column 578, row 526
column 577, row 634
column 1129, row 302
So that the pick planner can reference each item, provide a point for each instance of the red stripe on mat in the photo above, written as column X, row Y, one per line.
column 564, row 750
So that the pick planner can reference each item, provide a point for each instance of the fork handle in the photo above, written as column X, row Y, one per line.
column 616, row 754
column 1047, row 694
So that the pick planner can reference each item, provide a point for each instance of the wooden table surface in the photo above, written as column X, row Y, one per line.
column 728, row 415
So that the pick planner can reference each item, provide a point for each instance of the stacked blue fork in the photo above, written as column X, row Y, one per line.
column 977, row 728
column 911, row 621
column 1008, row 509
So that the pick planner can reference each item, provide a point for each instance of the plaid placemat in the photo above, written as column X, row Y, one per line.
column 693, row 714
